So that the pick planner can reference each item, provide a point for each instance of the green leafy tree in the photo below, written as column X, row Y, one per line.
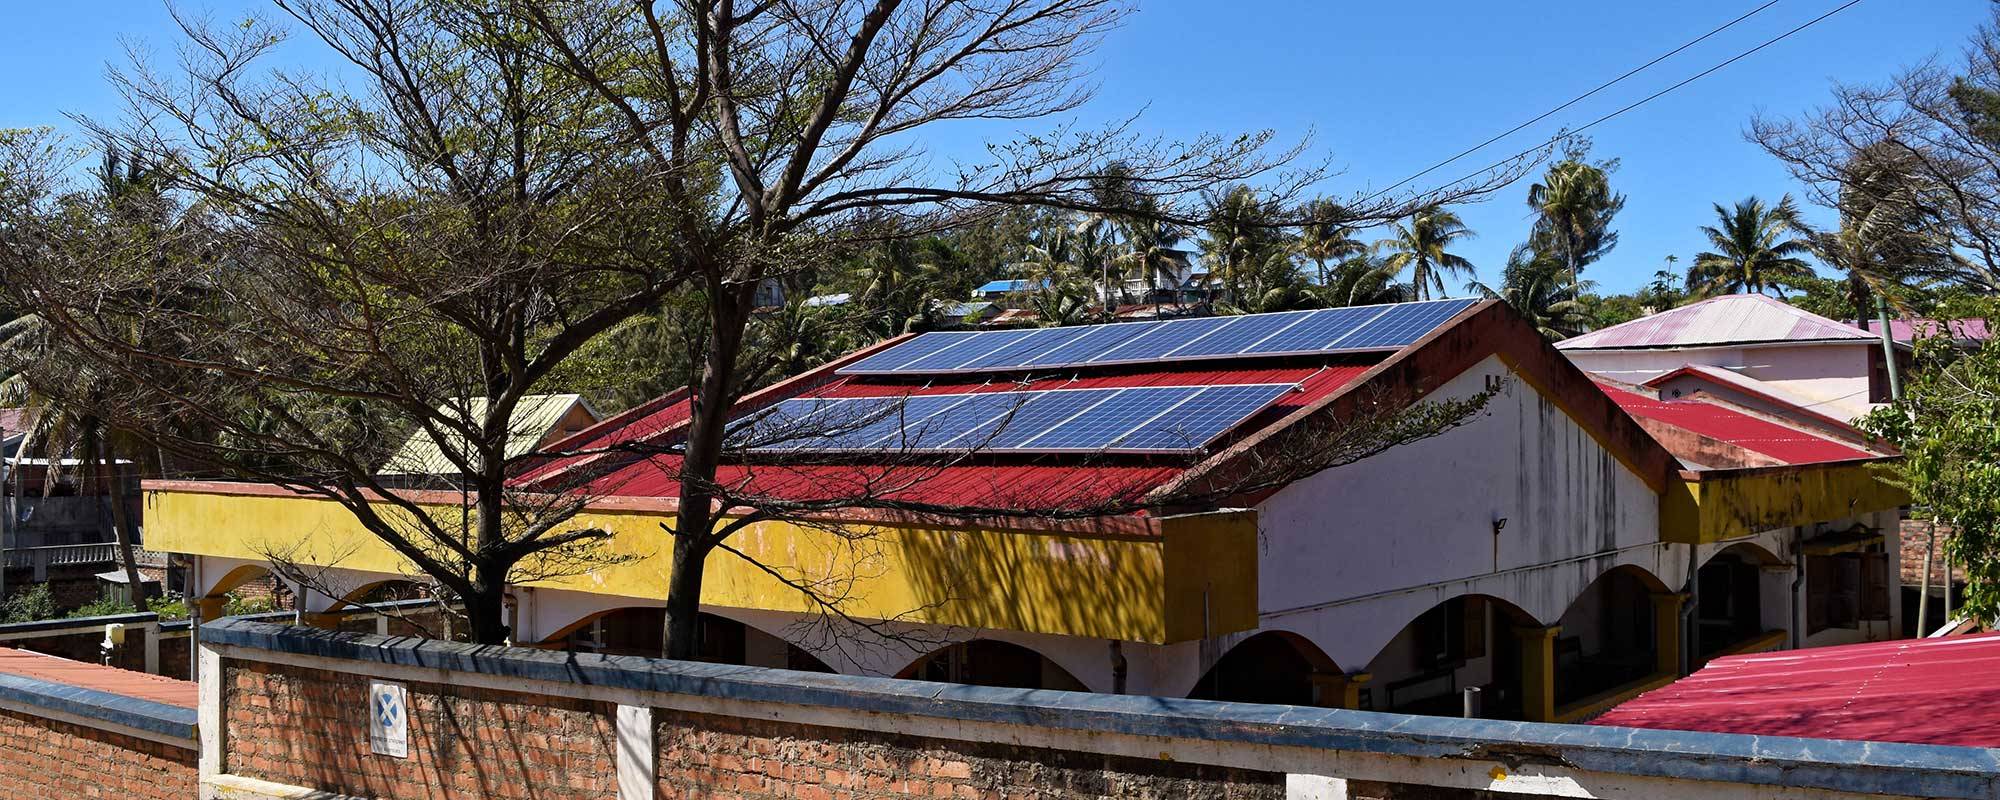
column 1540, row 288
column 1327, row 238
column 1361, row 280
column 1948, row 426
column 1421, row 246
column 1755, row 248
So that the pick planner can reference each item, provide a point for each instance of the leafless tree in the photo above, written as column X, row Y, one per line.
column 804, row 119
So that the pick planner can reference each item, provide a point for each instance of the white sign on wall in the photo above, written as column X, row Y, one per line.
column 389, row 719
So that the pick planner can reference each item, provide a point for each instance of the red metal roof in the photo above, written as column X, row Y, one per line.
column 1920, row 691
column 1964, row 330
column 1750, row 432
column 1060, row 481
column 40, row 666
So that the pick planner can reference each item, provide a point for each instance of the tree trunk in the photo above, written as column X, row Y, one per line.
column 486, row 607
column 683, row 631
column 121, row 523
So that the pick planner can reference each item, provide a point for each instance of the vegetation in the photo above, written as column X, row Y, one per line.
column 1420, row 246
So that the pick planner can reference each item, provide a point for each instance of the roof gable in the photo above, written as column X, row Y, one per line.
column 1729, row 319
column 534, row 418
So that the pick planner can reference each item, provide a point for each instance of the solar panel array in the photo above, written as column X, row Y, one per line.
column 1150, row 419
column 1333, row 330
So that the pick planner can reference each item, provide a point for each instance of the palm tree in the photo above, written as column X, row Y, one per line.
column 1326, row 237
column 1534, row 284
column 1755, row 249
column 1060, row 292
column 1419, row 246
column 1573, row 207
column 1240, row 236
column 1151, row 255
column 1361, row 281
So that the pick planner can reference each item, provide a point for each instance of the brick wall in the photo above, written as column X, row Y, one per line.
column 49, row 759
column 734, row 758
column 305, row 728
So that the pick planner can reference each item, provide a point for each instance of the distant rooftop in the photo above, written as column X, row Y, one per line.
column 1725, row 320
column 30, row 664
column 1015, row 285
column 1963, row 330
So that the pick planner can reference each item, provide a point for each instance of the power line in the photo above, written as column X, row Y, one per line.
column 1656, row 95
column 1574, row 100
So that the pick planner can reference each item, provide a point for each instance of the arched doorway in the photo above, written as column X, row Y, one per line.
column 1735, row 593
column 989, row 662
column 1270, row 667
column 1610, row 636
column 640, row 631
column 1465, row 642
column 247, row 589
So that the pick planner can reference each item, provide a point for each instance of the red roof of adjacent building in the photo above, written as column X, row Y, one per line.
column 1920, row 691
column 159, row 689
column 1738, row 427
column 1905, row 330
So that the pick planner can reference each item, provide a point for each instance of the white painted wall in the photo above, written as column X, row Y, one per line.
column 1834, row 377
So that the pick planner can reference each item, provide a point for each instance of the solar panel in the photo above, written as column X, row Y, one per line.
column 1139, row 419
column 1198, row 420
column 1403, row 324
column 1241, row 336
column 1333, row 330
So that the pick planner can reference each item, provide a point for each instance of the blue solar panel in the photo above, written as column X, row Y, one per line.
column 973, row 348
column 1241, row 335
column 1197, row 421
column 808, row 423
column 937, row 430
column 1117, row 416
column 924, row 345
column 1023, row 350
column 1099, row 339
column 1327, row 331
column 1164, row 339
column 1403, row 324
column 1028, row 420
column 1318, row 330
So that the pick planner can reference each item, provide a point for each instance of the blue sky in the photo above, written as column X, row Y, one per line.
column 1385, row 88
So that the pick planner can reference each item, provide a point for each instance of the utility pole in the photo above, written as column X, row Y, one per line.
column 1924, row 585
column 1888, row 348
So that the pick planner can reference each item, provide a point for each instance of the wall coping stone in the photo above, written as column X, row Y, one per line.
column 1850, row 766
column 94, row 704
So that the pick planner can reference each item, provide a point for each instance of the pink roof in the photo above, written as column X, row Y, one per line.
column 1729, row 378
column 159, row 689
column 1973, row 330
column 1921, row 691
column 1729, row 319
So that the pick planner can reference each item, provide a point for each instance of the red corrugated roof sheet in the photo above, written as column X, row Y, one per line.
column 1716, row 421
column 1921, row 691
column 159, row 689
column 1902, row 330
column 1729, row 319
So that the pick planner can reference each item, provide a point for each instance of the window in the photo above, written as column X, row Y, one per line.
column 1844, row 589
column 1451, row 632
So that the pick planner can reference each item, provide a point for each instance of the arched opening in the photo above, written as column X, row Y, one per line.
column 1465, row 642
column 249, row 589
column 1736, row 595
column 1610, row 635
column 640, row 631
column 988, row 662
column 1270, row 667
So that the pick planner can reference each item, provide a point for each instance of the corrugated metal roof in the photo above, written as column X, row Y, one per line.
column 1964, row 330
column 1729, row 319
column 1016, row 285
column 534, row 418
column 1919, row 691
column 1750, row 432
column 159, row 689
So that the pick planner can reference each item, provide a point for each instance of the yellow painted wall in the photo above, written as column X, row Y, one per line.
column 1719, row 508
column 1138, row 588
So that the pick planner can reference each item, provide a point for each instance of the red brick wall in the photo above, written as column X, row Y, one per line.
column 310, row 728
column 48, row 759
column 732, row 758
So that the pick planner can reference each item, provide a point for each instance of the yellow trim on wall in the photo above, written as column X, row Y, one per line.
column 1196, row 576
column 1716, row 507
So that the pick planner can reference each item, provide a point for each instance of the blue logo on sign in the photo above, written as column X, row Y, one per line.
column 388, row 710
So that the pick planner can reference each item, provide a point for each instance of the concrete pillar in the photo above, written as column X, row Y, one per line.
column 1336, row 690
column 637, row 757
column 1538, row 672
column 152, row 630
column 210, row 608
column 1668, row 637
